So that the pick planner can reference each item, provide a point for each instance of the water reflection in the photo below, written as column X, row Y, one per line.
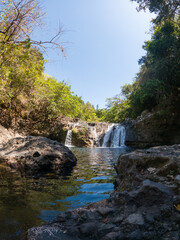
column 27, row 202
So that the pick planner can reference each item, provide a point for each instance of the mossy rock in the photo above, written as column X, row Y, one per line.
column 80, row 137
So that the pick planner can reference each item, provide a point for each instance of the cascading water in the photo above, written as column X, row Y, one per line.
column 94, row 137
column 107, row 136
column 115, row 136
column 68, row 141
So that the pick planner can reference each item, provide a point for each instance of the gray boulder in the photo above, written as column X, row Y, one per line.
column 35, row 156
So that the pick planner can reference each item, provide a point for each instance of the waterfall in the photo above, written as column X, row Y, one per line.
column 68, row 141
column 92, row 134
column 107, row 136
column 94, row 137
column 115, row 136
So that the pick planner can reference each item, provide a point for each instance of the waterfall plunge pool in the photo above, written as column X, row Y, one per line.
column 27, row 202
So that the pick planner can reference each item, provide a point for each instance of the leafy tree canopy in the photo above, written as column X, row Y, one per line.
column 164, row 9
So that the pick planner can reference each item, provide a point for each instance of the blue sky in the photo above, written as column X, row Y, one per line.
column 103, row 42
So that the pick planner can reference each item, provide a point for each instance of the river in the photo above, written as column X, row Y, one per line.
column 28, row 202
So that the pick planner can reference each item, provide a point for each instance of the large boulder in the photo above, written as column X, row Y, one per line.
column 35, row 156
column 144, row 206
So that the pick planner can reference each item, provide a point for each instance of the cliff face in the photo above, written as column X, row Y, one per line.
column 153, row 130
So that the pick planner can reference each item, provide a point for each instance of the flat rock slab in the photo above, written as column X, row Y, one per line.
column 35, row 156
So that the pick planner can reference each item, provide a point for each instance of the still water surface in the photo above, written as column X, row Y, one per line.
column 28, row 202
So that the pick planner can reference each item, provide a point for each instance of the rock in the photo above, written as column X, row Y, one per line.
column 105, row 211
column 48, row 233
column 88, row 228
column 133, row 168
column 135, row 218
column 117, row 220
column 151, row 193
column 37, row 155
column 113, row 236
column 136, row 235
column 178, row 178
column 104, row 229
column 153, row 129
column 6, row 135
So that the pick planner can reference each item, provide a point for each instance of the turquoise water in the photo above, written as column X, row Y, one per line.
column 28, row 202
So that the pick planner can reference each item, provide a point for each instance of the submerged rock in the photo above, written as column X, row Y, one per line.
column 35, row 156
column 144, row 205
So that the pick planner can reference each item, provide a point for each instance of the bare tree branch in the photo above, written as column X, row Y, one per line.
column 18, row 20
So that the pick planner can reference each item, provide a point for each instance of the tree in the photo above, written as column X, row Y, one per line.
column 18, row 18
column 164, row 9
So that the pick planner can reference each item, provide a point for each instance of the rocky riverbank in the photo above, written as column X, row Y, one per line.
column 144, row 206
column 34, row 156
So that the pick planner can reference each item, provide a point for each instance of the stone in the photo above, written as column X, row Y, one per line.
column 113, row 236
column 135, row 218
column 117, row 219
column 48, row 233
column 105, row 228
column 35, row 156
column 178, row 178
column 104, row 210
column 88, row 228
column 136, row 235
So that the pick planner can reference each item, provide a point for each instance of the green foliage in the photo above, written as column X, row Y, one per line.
column 24, row 89
column 164, row 9
column 158, row 81
column 55, row 98
column 89, row 113
column 20, row 69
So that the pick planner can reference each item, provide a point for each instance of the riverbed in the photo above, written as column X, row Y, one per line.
column 28, row 202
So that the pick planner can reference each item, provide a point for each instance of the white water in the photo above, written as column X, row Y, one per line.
column 94, row 137
column 68, row 141
column 107, row 136
column 115, row 136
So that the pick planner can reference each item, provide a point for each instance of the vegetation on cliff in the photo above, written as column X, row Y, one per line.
column 157, row 84
column 25, row 91
column 29, row 94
